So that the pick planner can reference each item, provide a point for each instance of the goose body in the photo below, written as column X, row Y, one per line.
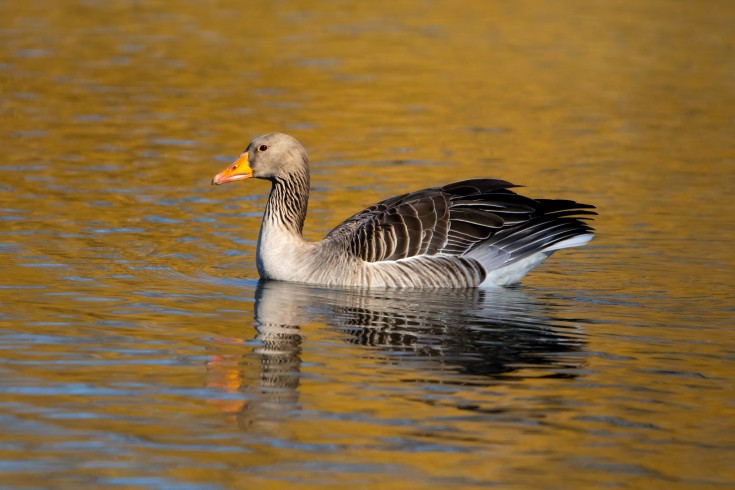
column 466, row 234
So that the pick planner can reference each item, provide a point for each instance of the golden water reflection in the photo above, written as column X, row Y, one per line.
column 137, row 348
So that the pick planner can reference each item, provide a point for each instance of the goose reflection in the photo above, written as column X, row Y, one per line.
column 470, row 336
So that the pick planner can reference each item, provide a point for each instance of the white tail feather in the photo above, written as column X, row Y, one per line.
column 514, row 272
column 576, row 241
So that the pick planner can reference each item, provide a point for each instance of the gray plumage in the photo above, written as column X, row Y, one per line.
column 466, row 234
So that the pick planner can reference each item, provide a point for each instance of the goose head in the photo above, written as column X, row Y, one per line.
column 270, row 157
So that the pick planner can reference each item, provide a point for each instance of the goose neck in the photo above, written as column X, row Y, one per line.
column 288, row 202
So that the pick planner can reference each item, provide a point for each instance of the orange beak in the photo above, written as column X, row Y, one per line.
column 238, row 170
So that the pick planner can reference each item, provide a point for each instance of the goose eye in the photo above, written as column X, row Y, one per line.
column 262, row 147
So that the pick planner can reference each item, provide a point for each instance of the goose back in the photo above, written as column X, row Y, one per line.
column 481, row 219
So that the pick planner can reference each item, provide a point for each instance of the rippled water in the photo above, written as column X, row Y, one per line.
column 139, row 350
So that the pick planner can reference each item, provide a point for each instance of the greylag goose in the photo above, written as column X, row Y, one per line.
column 466, row 234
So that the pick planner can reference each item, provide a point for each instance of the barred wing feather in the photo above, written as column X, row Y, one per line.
column 457, row 219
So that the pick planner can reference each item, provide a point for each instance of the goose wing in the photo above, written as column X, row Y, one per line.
column 456, row 219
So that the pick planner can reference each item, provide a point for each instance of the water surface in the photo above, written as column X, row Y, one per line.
column 139, row 350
